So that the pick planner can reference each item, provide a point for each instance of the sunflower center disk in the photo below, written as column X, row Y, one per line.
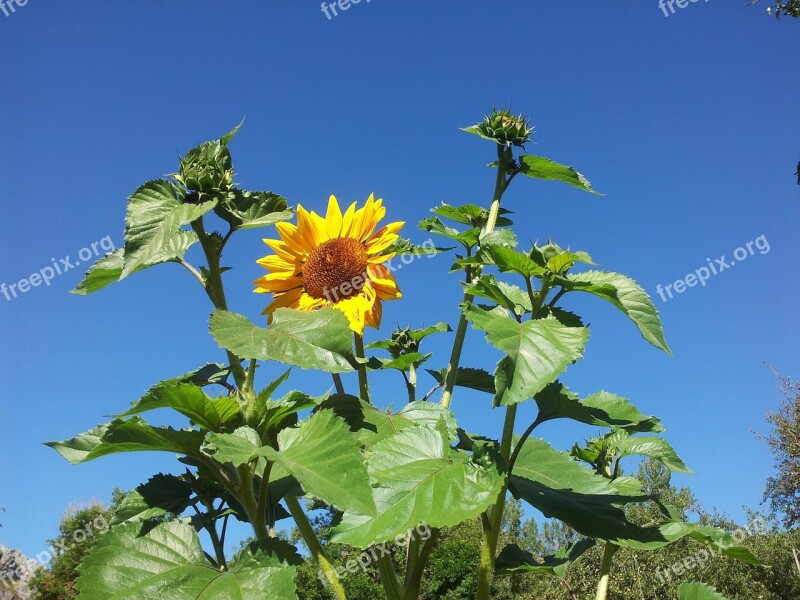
column 336, row 269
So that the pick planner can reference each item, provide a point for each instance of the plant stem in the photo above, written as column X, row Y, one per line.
column 315, row 547
column 411, row 383
column 363, row 386
column 216, row 291
column 414, row 574
column 605, row 572
column 494, row 521
column 501, row 183
column 389, row 578
column 248, row 389
column 337, row 381
column 248, row 501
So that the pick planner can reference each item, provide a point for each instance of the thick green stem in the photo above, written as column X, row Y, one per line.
column 605, row 571
column 415, row 572
column 389, row 578
column 493, row 522
column 216, row 291
column 501, row 183
column 411, row 383
column 248, row 501
column 363, row 385
column 337, row 382
column 315, row 547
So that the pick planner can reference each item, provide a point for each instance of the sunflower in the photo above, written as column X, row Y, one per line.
column 333, row 261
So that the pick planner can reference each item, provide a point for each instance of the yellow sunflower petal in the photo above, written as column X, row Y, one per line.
column 374, row 316
column 311, row 227
column 333, row 218
column 287, row 300
column 278, row 283
column 384, row 238
column 357, row 307
column 307, row 302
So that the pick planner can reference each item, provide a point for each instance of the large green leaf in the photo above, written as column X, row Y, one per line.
column 471, row 214
column 319, row 339
column 153, row 225
column 540, row 167
column 191, row 401
column 514, row 559
column 536, row 352
column 161, row 495
column 418, row 478
column 320, row 453
column 468, row 377
column 370, row 425
column 131, row 435
column 467, row 238
column 624, row 293
column 563, row 489
column 168, row 563
column 248, row 210
column 698, row 591
column 508, row 296
column 657, row 448
column 603, row 408
column 327, row 462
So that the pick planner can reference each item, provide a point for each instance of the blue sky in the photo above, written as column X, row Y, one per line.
column 685, row 122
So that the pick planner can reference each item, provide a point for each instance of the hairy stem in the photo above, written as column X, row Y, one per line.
column 501, row 183
column 216, row 291
column 493, row 522
column 315, row 547
column 363, row 386
column 605, row 571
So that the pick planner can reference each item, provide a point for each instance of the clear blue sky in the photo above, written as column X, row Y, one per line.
column 687, row 123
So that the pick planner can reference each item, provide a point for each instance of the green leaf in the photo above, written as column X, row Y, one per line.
column 319, row 339
column 564, row 262
column 168, row 562
column 603, row 409
column 561, row 488
column 418, row 478
column 273, row 415
column 624, row 293
column 237, row 448
column 656, row 448
column 210, row 374
column 514, row 559
column 508, row 296
column 153, row 231
column 371, row 425
column 249, row 210
column 698, row 591
column 475, row 379
column 102, row 273
column 161, row 495
column 536, row 352
column 191, row 401
column 467, row 238
column 131, row 435
column 540, row 167
column 511, row 261
column 327, row 461
column 471, row 214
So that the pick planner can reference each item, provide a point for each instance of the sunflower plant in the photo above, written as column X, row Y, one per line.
column 251, row 454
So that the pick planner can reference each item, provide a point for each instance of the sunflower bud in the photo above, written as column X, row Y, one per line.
column 506, row 129
column 402, row 343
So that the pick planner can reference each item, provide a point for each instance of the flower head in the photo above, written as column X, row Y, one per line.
column 336, row 260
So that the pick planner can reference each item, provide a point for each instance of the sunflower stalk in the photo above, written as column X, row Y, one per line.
column 315, row 547
column 505, row 174
column 216, row 291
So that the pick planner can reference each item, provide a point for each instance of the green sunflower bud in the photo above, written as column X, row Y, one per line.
column 504, row 128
